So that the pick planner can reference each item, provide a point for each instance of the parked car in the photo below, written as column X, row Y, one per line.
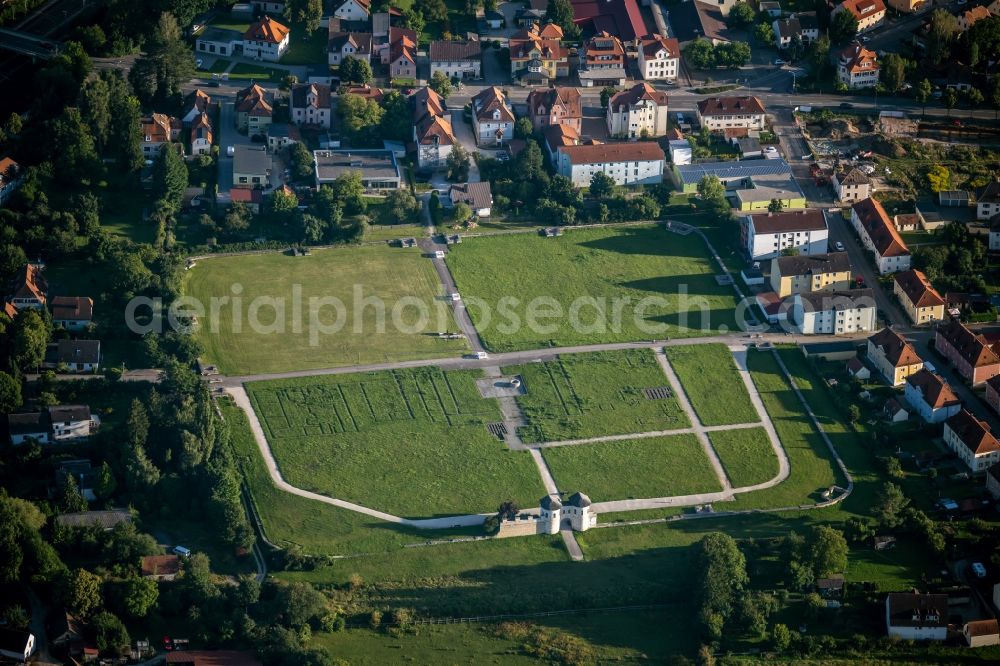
column 182, row 551
column 779, row 61
column 439, row 254
column 979, row 569
column 839, row 246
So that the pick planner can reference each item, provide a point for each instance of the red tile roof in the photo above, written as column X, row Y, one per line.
column 730, row 106
column 78, row 308
column 880, row 229
column 266, row 30
column 896, row 349
column 614, row 152
column 918, row 289
column 971, row 347
column 638, row 92
column 975, row 434
column 933, row 389
column 567, row 100
column 789, row 220
column 30, row 283
column 862, row 9
column 654, row 44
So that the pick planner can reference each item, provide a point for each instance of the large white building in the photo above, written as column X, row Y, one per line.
column 659, row 58
column 917, row 617
column 972, row 441
column 720, row 113
column 311, row 104
column 638, row 163
column 492, row 118
column 461, row 60
column 834, row 312
column 857, row 67
column 768, row 235
column 266, row 39
column 931, row 397
column 879, row 236
column 640, row 111
column 353, row 10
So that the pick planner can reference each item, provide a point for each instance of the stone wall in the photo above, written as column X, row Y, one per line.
column 523, row 525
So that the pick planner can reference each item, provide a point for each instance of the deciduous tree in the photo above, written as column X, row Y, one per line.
column 843, row 27
column 441, row 84
column 602, row 186
column 355, row 70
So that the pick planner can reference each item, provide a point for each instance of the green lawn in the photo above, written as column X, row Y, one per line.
column 308, row 50
column 387, row 233
column 746, row 454
column 589, row 395
column 712, row 384
column 637, row 468
column 224, row 22
column 591, row 285
column 410, row 442
column 390, row 274
column 257, row 72
column 218, row 65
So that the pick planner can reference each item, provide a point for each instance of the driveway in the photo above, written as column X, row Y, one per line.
column 228, row 136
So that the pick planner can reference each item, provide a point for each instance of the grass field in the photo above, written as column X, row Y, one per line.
column 746, row 455
column 308, row 50
column 410, row 442
column 257, row 72
column 387, row 273
column 712, row 384
column 614, row 283
column 636, row 468
column 387, row 233
column 589, row 395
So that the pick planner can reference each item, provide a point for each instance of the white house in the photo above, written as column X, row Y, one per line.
column 58, row 424
column 895, row 358
column 266, row 39
column 639, row 163
column 720, row 113
column 353, row 10
column 358, row 45
column 857, row 67
column 16, row 644
column 767, row 235
column 879, row 236
column 931, row 397
column 917, row 617
column 868, row 13
column 462, row 60
column 74, row 355
column 972, row 441
column 834, row 312
column 852, row 185
column 492, row 118
column 803, row 27
column 218, row 41
column 988, row 202
column 311, row 104
column 432, row 130
column 659, row 58
column 640, row 111
column 74, row 313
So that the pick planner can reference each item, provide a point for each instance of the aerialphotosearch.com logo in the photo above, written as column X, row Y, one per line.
column 369, row 314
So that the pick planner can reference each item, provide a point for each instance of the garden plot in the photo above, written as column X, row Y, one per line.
column 712, row 383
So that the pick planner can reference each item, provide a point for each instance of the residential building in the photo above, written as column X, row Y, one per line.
column 432, row 130
column 619, row 17
column 373, row 93
column 659, row 58
column 833, row 312
column 266, row 39
column 357, row 45
column 603, row 51
column 160, row 567
column 923, row 304
column 971, row 16
column 894, row 357
column 30, row 288
column 988, row 201
column 768, row 235
column 638, row 163
column 477, row 196
column 907, row 6
column 59, row 424
column 801, row 28
column 311, row 104
column 403, row 58
column 16, row 644
column 981, row 633
column 74, row 313
column 252, row 167
column 972, row 356
column 640, row 111
column 378, row 168
column 74, row 355
column 993, row 483
column 254, row 109
column 557, row 136
column 158, row 130
column 10, row 178
column 492, row 118
column 810, row 272
column 719, row 113
column 459, row 60
column 353, row 10
column 251, row 198
column 195, row 104
column 857, row 67
column 268, row 7
column 384, row 47
column 879, row 236
column 972, row 441
column 894, row 411
column 916, row 617
column 200, row 135
column 751, row 185
column 555, row 106
column 536, row 59
column 282, row 135
column 857, row 369
column 494, row 19
column 218, row 42
column 931, row 397
column 868, row 13
column 851, row 185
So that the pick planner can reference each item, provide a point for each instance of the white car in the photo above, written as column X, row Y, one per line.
column 839, row 246
column 439, row 254
column 198, row 63
column 779, row 61
column 479, row 355
column 455, row 296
